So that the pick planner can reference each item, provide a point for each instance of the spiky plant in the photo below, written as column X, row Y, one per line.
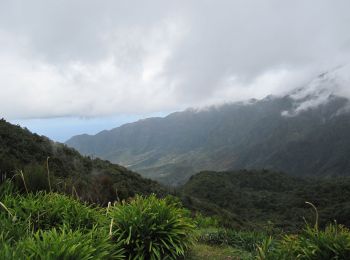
column 152, row 228
column 64, row 244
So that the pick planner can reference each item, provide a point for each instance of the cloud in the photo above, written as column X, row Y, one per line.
column 99, row 58
column 321, row 89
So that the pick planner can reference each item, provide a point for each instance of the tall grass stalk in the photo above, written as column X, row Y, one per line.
column 75, row 192
column 316, row 214
column 108, row 206
column 48, row 172
column 8, row 211
column 24, row 181
column 111, row 228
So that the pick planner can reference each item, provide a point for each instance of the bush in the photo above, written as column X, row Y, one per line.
column 331, row 243
column 48, row 210
column 11, row 229
column 63, row 244
column 151, row 228
column 6, row 252
column 245, row 240
column 6, row 188
column 54, row 226
column 205, row 222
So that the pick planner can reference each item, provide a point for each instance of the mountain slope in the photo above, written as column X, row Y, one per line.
column 303, row 133
column 260, row 197
column 93, row 180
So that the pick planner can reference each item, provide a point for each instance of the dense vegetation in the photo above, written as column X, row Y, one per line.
column 36, row 157
column 46, row 225
column 312, row 243
column 53, row 226
column 245, row 214
column 265, row 200
column 251, row 135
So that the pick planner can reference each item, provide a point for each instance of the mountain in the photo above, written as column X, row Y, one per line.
column 92, row 180
column 264, row 198
column 306, row 132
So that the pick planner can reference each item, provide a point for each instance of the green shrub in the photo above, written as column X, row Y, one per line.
column 12, row 230
column 6, row 188
column 213, row 236
column 64, row 244
column 152, row 228
column 265, row 250
column 48, row 210
column 205, row 222
column 245, row 240
column 331, row 243
column 35, row 178
column 6, row 252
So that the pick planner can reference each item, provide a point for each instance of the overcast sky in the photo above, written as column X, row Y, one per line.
column 102, row 59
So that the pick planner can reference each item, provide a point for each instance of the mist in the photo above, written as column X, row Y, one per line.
column 113, row 58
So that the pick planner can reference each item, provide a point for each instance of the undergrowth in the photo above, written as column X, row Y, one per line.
column 333, row 242
column 151, row 228
column 47, row 225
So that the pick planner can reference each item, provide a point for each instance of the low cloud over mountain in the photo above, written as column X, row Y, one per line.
column 110, row 58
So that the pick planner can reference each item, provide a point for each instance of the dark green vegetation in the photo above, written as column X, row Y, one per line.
column 312, row 243
column 255, row 214
column 152, row 228
column 331, row 243
column 46, row 225
column 91, row 180
column 264, row 200
column 53, row 226
column 315, row 142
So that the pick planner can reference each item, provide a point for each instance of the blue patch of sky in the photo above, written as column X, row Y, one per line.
column 62, row 128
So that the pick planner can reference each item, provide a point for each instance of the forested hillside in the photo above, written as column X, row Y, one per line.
column 289, row 134
column 37, row 157
column 265, row 199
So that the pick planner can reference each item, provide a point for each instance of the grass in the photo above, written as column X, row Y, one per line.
column 47, row 225
column 63, row 244
column 204, row 251
column 152, row 228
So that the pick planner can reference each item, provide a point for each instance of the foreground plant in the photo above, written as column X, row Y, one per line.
column 312, row 244
column 152, row 228
column 63, row 244
column 48, row 210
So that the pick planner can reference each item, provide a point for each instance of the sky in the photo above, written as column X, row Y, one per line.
column 80, row 66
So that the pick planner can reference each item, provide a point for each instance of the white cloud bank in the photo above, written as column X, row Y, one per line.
column 99, row 58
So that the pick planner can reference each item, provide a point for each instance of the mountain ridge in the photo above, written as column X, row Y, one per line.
column 263, row 198
column 93, row 180
column 299, row 133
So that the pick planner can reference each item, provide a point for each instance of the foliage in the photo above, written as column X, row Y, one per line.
column 64, row 244
column 264, row 249
column 48, row 225
column 205, row 221
column 40, row 160
column 204, row 251
column 266, row 201
column 331, row 243
column 151, row 228
column 47, row 210
column 245, row 240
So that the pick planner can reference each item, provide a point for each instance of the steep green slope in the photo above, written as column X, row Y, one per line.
column 264, row 198
column 91, row 179
column 233, row 136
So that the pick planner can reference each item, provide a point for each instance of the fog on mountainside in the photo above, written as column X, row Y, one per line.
column 304, row 133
